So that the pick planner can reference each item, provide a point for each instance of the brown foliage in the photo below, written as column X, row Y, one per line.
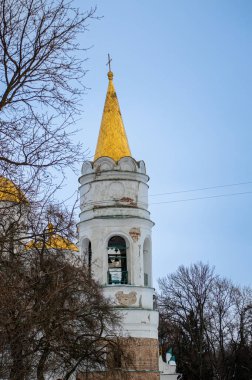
column 53, row 316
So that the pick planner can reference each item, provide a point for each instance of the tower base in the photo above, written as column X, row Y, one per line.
column 110, row 375
column 143, row 362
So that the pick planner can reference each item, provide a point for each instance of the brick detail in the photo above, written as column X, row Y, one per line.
column 142, row 354
column 141, row 375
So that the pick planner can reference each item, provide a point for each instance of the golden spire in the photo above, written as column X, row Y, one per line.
column 112, row 140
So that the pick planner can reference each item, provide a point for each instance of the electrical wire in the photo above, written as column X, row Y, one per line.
column 176, row 200
column 198, row 198
column 202, row 188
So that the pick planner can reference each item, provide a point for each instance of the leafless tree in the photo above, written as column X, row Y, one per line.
column 54, row 319
column 207, row 320
column 41, row 71
column 53, row 316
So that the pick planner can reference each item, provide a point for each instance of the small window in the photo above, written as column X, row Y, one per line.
column 117, row 261
column 87, row 254
column 147, row 262
column 89, row 257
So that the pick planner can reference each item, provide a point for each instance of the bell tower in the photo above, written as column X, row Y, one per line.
column 115, row 236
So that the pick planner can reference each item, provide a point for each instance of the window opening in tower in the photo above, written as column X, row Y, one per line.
column 117, row 261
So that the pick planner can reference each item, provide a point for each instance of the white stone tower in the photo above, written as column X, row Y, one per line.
column 115, row 235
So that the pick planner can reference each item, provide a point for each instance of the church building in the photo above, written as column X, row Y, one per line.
column 116, row 244
column 115, row 239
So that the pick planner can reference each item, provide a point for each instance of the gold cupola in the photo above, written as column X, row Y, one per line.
column 9, row 192
column 57, row 241
column 112, row 140
column 54, row 241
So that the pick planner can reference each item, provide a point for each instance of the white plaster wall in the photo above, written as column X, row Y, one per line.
column 113, row 189
column 139, row 323
column 99, row 231
column 114, row 201
column 16, row 213
column 167, row 371
column 165, row 376
column 106, row 183
column 143, row 296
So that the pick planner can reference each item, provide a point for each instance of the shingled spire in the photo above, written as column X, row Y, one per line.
column 112, row 140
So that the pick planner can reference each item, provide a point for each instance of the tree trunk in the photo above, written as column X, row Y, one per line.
column 41, row 365
column 17, row 368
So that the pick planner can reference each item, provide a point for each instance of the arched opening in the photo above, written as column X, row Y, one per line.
column 147, row 262
column 117, row 261
column 89, row 257
column 87, row 254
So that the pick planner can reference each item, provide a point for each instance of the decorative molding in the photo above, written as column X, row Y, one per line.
column 135, row 233
column 86, row 167
column 125, row 299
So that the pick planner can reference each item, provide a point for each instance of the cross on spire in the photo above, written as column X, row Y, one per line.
column 108, row 63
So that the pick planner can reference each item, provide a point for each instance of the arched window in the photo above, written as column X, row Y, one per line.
column 89, row 257
column 117, row 261
column 87, row 253
column 147, row 262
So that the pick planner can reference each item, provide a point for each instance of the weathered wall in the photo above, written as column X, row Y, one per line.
column 143, row 362
column 114, row 202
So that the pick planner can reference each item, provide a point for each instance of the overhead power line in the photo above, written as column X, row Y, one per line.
column 176, row 200
column 202, row 188
column 198, row 198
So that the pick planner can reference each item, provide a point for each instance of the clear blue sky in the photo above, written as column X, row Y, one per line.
column 182, row 71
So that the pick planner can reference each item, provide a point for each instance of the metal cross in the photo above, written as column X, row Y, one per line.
column 109, row 60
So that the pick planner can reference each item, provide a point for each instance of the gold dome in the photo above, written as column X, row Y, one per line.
column 9, row 192
column 54, row 241
column 112, row 140
column 59, row 242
